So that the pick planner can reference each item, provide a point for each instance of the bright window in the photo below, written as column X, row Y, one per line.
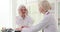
column 5, row 14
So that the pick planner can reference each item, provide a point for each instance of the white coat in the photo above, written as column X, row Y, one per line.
column 49, row 24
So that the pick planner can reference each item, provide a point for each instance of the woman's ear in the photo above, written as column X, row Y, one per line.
column 42, row 8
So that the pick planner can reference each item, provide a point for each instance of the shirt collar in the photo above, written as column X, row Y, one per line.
column 25, row 17
column 47, row 13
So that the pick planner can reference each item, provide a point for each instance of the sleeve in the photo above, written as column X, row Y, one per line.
column 41, row 25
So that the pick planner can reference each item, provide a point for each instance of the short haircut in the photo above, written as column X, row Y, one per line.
column 45, row 4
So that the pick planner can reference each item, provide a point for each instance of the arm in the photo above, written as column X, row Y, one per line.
column 41, row 25
column 38, row 27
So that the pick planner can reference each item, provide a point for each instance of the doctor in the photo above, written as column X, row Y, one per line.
column 49, row 24
column 23, row 20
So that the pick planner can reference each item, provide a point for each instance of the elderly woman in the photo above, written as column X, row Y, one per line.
column 23, row 20
column 49, row 24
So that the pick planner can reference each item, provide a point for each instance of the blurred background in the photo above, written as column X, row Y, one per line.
column 9, row 11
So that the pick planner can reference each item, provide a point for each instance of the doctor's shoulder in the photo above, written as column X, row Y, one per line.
column 50, row 16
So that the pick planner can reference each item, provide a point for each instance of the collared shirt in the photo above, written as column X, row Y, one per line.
column 24, row 22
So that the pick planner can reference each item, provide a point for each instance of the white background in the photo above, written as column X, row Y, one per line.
column 5, row 14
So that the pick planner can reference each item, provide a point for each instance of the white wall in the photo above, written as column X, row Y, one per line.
column 5, row 14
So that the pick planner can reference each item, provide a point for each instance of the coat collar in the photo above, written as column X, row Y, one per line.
column 47, row 13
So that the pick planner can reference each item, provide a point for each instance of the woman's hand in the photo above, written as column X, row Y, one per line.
column 19, row 29
column 25, row 27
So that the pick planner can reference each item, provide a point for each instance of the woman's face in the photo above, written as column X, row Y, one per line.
column 23, row 11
